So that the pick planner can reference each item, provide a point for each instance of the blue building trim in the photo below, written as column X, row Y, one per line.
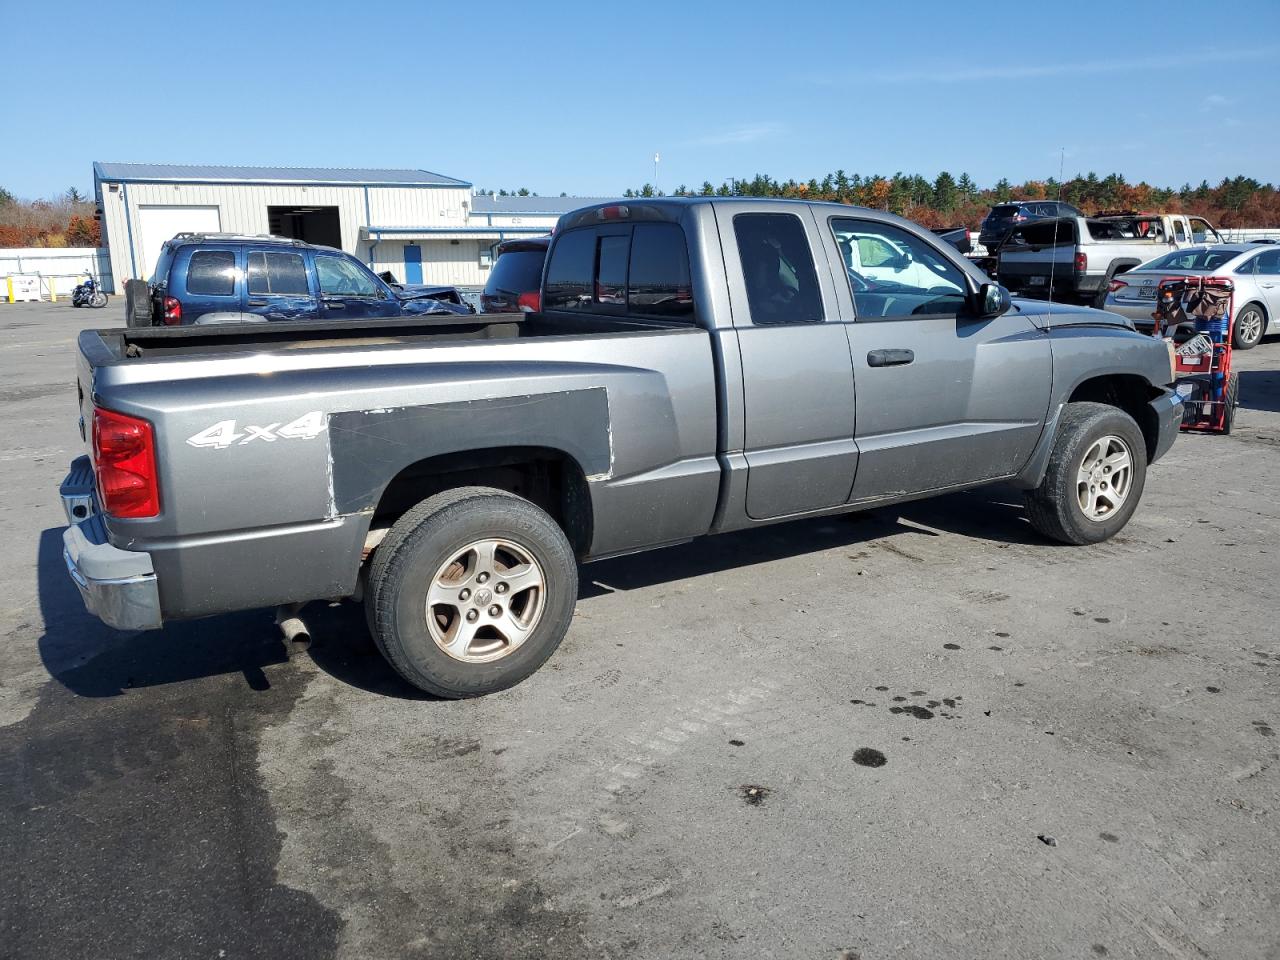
column 128, row 226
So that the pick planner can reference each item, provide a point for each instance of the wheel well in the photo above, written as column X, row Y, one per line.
column 1132, row 394
column 1266, row 315
column 549, row 478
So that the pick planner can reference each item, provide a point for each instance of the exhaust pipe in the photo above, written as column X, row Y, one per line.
column 291, row 626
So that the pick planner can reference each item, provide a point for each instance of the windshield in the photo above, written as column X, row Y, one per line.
column 1196, row 258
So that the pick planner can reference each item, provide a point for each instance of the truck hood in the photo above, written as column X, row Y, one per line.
column 1047, row 315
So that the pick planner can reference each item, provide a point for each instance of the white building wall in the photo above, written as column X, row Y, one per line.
column 243, row 209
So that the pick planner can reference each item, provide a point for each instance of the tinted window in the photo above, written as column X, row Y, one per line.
column 1003, row 211
column 1194, row 259
column 517, row 271
column 1268, row 263
column 212, row 273
column 341, row 277
column 277, row 273
column 782, row 286
column 611, row 269
column 659, row 279
column 569, row 274
column 915, row 279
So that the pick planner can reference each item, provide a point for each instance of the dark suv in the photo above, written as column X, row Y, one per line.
column 224, row 278
column 1005, row 216
column 517, row 275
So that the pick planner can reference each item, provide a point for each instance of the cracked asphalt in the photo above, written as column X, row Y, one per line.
column 920, row 732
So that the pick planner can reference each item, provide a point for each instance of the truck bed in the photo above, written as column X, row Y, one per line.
column 129, row 343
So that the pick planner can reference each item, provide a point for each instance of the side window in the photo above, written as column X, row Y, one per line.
column 777, row 264
column 570, row 272
column 917, row 281
column 281, row 274
column 212, row 273
column 1269, row 263
column 1179, row 231
column 659, row 284
column 340, row 277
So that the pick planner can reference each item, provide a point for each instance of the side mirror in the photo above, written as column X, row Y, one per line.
column 904, row 260
column 992, row 300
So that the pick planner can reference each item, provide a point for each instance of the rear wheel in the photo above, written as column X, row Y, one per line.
column 1249, row 326
column 1095, row 476
column 1232, row 400
column 471, row 592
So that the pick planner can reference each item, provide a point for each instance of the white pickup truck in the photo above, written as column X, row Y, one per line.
column 1077, row 257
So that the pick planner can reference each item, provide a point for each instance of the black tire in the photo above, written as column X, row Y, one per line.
column 1232, row 398
column 99, row 300
column 137, row 297
column 1247, row 342
column 420, row 542
column 1053, row 507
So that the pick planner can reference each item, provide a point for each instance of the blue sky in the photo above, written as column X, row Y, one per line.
column 577, row 96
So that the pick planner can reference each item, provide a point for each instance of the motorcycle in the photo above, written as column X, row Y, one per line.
column 88, row 294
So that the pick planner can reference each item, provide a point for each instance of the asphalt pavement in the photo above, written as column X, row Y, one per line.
column 919, row 732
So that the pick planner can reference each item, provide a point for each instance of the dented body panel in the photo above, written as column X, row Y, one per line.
column 276, row 450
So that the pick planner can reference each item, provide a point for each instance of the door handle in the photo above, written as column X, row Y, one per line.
column 257, row 303
column 890, row 358
column 333, row 304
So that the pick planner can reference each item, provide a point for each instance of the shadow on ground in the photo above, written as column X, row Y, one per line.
column 1260, row 390
column 92, row 660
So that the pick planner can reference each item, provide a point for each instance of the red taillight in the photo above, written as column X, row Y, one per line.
column 1082, row 261
column 172, row 311
column 615, row 212
column 124, row 460
column 1117, row 285
column 529, row 302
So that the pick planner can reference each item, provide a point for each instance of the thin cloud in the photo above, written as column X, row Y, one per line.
column 738, row 135
column 1020, row 71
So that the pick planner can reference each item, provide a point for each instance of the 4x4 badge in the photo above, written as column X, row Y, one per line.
column 224, row 433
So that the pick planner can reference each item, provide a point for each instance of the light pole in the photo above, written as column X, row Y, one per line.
column 656, row 158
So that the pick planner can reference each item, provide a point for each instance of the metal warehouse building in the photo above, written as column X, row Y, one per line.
column 422, row 226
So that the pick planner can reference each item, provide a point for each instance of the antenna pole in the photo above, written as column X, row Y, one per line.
column 1053, row 257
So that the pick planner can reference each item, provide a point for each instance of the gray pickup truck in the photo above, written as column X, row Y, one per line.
column 698, row 366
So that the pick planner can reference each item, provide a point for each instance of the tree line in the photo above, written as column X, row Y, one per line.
column 63, row 221
column 947, row 200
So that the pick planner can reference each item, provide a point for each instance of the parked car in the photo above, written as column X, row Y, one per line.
column 516, row 275
column 1003, row 217
column 1076, row 258
column 271, row 277
column 959, row 237
column 698, row 366
column 1254, row 268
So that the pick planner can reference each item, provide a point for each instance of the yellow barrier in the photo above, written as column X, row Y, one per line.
column 9, row 283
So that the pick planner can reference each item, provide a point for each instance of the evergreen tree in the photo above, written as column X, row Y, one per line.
column 944, row 192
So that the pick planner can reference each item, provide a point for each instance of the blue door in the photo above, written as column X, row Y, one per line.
column 348, row 290
column 412, row 263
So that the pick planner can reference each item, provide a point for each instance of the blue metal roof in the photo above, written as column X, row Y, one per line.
column 525, row 206
column 212, row 173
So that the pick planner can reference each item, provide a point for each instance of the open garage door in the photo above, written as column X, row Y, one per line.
column 158, row 224
column 310, row 224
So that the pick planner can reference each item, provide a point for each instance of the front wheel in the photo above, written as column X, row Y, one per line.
column 1249, row 327
column 471, row 592
column 99, row 300
column 1095, row 476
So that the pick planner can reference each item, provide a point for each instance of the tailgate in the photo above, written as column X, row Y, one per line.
column 1039, row 255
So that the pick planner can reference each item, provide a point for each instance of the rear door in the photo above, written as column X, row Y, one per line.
column 348, row 290
column 279, row 285
column 797, row 377
column 1266, row 268
column 943, row 398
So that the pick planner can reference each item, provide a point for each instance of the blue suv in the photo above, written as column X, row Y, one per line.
column 224, row 278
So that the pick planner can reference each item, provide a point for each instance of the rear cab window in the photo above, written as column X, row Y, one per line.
column 638, row 270
column 777, row 266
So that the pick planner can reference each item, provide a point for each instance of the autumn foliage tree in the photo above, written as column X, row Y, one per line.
column 66, row 221
column 958, row 201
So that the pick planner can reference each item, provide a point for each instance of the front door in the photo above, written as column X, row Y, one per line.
column 944, row 398
column 278, row 286
column 348, row 291
column 797, row 379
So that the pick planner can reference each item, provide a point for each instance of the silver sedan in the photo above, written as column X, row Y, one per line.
column 1254, row 267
